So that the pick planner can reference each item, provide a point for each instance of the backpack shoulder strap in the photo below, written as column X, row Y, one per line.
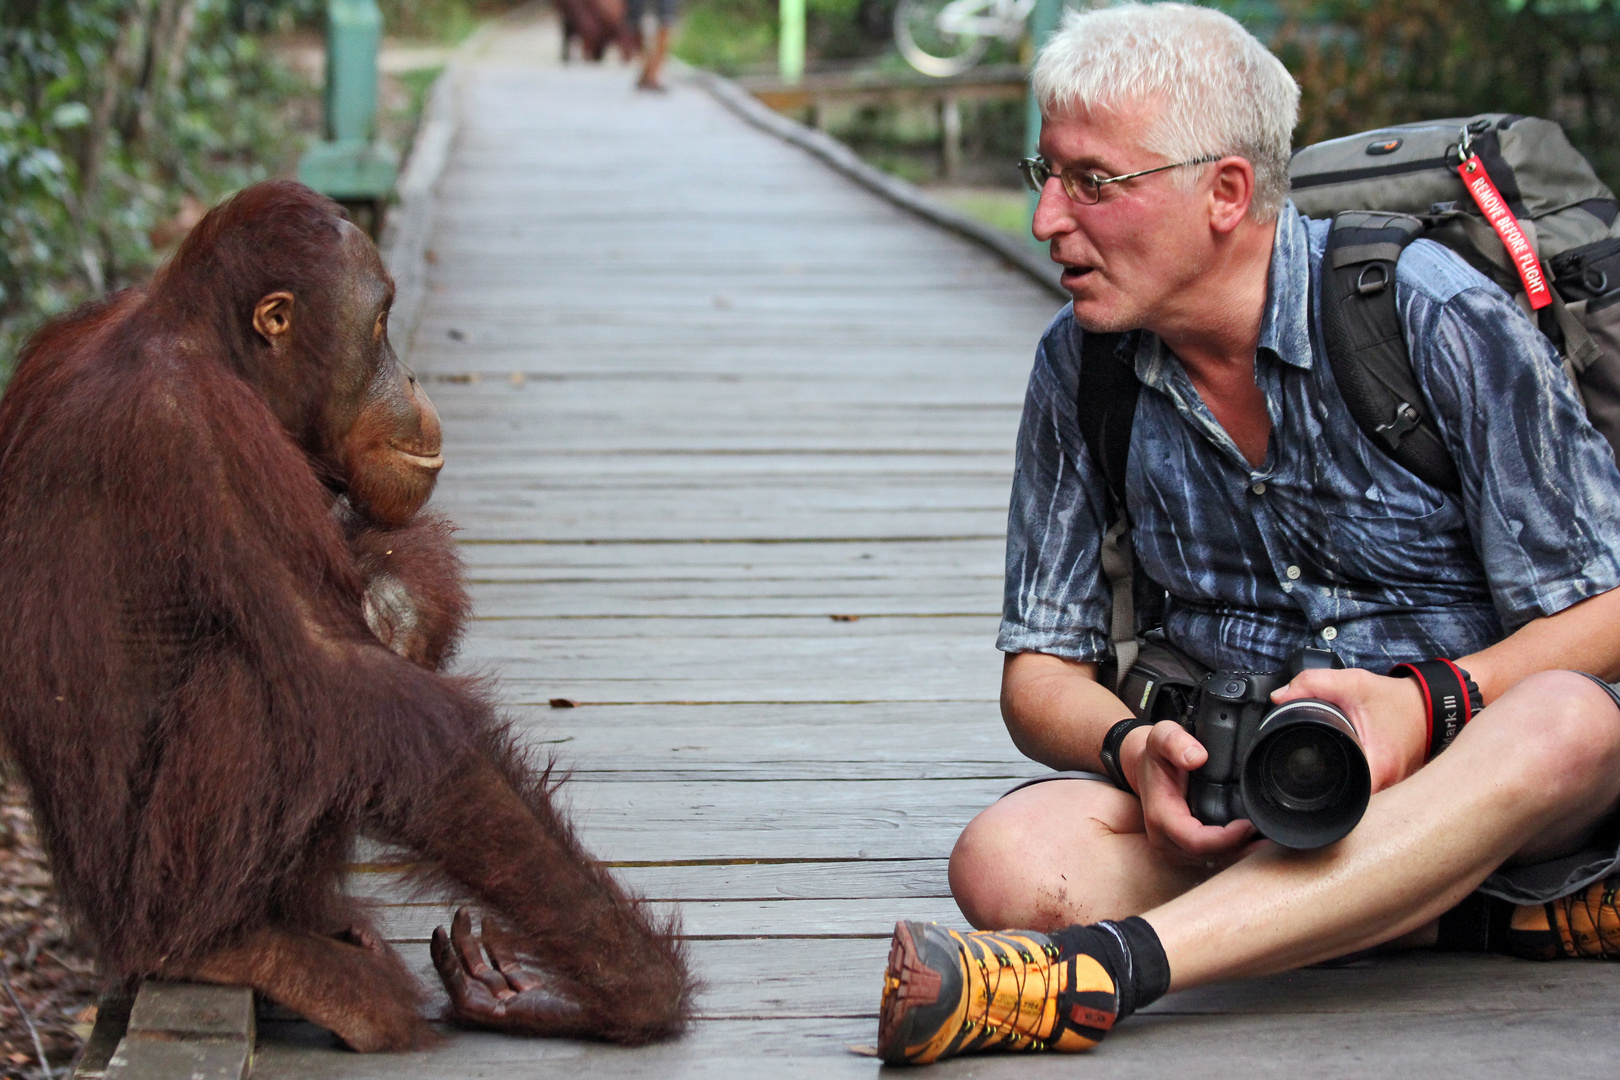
column 1366, row 350
column 1106, row 405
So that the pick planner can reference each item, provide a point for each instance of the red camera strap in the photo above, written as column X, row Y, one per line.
column 1449, row 694
column 1495, row 208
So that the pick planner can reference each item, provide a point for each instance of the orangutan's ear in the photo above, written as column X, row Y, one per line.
column 272, row 316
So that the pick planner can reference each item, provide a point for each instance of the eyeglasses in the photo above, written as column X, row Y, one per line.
column 1087, row 187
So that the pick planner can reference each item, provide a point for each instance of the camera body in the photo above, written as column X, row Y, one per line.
column 1296, row 770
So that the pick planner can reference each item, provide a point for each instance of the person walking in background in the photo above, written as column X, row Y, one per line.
column 652, row 64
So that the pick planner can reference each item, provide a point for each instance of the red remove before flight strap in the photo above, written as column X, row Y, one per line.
column 1495, row 208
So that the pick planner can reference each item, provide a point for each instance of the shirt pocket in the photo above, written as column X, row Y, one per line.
column 1411, row 538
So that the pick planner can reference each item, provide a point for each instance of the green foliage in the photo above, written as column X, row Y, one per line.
column 736, row 35
column 1363, row 63
column 433, row 20
column 727, row 35
column 112, row 112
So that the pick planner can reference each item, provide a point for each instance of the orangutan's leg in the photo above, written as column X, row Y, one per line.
column 363, row 995
column 597, row 949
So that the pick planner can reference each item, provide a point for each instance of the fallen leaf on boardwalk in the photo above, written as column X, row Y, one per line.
column 845, row 618
column 564, row 703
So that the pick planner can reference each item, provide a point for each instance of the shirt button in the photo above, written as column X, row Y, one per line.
column 1288, row 586
column 1293, row 573
column 1329, row 633
column 1258, row 487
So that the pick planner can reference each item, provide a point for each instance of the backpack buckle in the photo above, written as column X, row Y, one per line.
column 1406, row 419
column 1372, row 280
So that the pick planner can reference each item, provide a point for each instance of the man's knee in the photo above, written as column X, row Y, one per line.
column 1565, row 730
column 1012, row 860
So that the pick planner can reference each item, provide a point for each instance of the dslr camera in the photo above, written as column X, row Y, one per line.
column 1296, row 770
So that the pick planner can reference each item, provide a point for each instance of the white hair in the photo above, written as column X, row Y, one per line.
column 1219, row 90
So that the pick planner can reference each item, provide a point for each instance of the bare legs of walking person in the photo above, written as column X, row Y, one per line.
column 652, row 64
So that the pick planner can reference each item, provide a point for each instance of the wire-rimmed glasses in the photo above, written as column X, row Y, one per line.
column 1087, row 187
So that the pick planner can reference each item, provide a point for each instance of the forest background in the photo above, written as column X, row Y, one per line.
column 118, row 118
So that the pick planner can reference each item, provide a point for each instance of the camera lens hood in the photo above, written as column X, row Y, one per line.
column 1304, row 780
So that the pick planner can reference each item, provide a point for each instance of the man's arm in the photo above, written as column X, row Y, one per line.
column 1056, row 710
column 1582, row 637
column 1058, row 713
column 1389, row 713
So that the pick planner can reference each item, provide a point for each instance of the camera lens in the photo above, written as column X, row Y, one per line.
column 1304, row 778
column 1305, row 769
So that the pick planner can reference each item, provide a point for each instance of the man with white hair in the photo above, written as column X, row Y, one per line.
column 1271, row 523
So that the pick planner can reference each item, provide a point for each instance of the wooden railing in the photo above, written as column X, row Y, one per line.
column 809, row 98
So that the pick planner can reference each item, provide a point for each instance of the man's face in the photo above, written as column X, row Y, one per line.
column 1128, row 258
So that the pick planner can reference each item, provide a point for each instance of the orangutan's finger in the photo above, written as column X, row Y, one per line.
column 500, row 951
column 472, row 956
column 470, row 999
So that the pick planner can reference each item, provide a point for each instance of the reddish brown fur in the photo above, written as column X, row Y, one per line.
column 596, row 24
column 190, row 685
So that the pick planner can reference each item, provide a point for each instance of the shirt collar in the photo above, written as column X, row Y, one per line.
column 1285, row 326
column 1284, row 323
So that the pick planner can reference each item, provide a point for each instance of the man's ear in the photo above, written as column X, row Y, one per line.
column 1231, row 192
column 273, row 315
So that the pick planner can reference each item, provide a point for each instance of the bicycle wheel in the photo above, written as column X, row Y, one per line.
column 929, row 49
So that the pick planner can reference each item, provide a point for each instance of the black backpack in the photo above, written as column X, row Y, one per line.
column 1385, row 189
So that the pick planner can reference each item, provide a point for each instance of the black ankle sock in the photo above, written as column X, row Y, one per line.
column 1131, row 952
column 1478, row 924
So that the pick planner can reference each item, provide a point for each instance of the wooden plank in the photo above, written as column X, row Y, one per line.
column 897, row 879
column 166, row 1059
column 842, row 977
column 842, row 917
column 178, row 1010
column 659, row 821
column 867, row 742
column 723, row 1050
column 1356, row 1045
column 588, row 666
column 201, row 1031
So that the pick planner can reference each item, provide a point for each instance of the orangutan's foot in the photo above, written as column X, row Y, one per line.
column 500, row 993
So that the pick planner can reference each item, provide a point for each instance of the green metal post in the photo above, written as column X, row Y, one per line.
column 350, row 165
column 1042, row 21
column 353, row 39
column 790, row 58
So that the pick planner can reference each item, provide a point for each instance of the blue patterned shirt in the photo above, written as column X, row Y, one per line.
column 1329, row 542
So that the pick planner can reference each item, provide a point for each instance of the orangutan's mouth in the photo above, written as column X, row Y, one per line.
column 433, row 462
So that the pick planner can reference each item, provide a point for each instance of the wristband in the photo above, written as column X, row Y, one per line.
column 1449, row 694
column 1110, row 750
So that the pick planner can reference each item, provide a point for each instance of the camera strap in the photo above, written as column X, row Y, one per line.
column 1106, row 407
column 1450, row 695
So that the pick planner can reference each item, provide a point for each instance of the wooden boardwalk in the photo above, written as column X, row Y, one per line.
column 730, row 442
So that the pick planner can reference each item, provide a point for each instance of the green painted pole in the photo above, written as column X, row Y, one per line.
column 1042, row 21
column 790, row 60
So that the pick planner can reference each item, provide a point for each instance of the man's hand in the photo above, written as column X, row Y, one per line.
column 1156, row 761
column 1388, row 714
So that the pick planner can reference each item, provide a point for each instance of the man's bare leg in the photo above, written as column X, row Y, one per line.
column 1529, row 778
column 1062, row 852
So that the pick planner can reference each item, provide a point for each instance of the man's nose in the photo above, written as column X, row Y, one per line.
column 1054, row 212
